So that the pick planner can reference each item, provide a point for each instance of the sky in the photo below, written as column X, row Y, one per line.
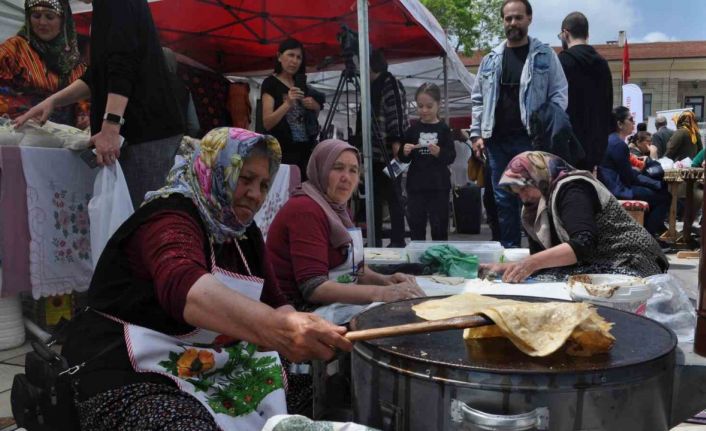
column 643, row 20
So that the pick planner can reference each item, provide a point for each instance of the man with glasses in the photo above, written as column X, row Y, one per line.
column 590, row 89
column 513, row 81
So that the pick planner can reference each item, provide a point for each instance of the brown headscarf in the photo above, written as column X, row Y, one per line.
column 320, row 165
column 687, row 120
column 543, row 171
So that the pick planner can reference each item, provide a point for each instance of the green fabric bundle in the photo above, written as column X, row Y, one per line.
column 448, row 260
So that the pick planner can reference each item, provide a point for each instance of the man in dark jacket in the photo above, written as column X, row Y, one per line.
column 590, row 89
column 661, row 136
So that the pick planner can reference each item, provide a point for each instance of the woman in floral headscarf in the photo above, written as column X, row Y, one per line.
column 686, row 141
column 575, row 225
column 40, row 60
column 185, row 288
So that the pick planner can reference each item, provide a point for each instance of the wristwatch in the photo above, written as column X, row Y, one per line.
column 114, row 118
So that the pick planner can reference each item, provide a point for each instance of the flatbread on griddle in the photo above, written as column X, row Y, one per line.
column 536, row 328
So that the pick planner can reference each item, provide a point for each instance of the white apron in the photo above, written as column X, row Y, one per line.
column 347, row 272
column 241, row 387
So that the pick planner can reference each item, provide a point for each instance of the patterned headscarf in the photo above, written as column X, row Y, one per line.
column 543, row 171
column 320, row 164
column 61, row 54
column 209, row 176
column 687, row 120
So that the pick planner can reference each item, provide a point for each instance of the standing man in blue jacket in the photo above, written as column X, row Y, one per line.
column 513, row 80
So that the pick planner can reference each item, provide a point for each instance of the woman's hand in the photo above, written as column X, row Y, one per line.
column 407, row 149
column 107, row 143
column 396, row 292
column 311, row 104
column 40, row 113
column 517, row 272
column 434, row 150
column 304, row 336
column 293, row 95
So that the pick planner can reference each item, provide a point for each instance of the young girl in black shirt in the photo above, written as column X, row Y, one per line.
column 430, row 149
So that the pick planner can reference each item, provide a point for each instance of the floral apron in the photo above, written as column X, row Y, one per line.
column 241, row 387
column 347, row 272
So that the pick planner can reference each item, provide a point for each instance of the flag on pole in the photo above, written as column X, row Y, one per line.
column 626, row 62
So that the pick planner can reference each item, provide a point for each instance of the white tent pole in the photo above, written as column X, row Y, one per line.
column 364, row 57
column 446, row 91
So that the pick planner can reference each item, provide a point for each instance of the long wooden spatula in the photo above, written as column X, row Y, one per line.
column 460, row 322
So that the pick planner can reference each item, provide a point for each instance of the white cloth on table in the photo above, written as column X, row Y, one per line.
column 276, row 198
column 59, row 186
column 48, row 135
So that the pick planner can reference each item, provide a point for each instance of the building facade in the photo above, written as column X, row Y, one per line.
column 671, row 75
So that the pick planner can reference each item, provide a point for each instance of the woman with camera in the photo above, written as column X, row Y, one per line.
column 624, row 182
column 290, row 108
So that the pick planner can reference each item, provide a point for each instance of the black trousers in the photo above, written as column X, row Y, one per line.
column 390, row 191
column 431, row 206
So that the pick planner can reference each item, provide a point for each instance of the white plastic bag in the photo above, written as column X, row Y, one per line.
column 109, row 207
column 670, row 306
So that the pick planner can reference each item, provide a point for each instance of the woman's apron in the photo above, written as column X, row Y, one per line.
column 346, row 273
column 241, row 387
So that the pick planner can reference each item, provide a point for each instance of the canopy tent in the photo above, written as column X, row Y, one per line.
column 241, row 36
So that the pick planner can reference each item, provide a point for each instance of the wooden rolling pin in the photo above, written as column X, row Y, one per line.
column 460, row 322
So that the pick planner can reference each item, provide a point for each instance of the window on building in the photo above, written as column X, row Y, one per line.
column 646, row 105
column 697, row 104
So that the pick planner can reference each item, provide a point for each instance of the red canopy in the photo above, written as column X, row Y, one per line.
column 239, row 36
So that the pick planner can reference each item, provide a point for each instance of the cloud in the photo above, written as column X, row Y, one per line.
column 658, row 36
column 605, row 17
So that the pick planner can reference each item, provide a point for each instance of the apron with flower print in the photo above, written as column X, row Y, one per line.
column 346, row 273
column 239, row 386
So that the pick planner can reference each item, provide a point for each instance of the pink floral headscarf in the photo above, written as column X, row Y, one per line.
column 209, row 176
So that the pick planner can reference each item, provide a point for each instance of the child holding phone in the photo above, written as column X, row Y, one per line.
column 430, row 149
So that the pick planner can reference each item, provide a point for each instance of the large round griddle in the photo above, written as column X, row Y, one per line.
column 638, row 340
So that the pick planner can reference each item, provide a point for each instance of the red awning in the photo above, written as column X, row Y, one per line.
column 239, row 36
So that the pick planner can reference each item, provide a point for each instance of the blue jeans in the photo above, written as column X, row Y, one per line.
column 500, row 152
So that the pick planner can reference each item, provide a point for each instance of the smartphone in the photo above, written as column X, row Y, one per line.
column 300, row 82
column 89, row 156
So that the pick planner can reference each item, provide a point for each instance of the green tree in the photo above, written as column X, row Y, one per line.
column 471, row 24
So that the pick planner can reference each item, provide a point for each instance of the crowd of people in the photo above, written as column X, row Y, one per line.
column 188, row 280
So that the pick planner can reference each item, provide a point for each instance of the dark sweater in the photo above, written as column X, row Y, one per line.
column 680, row 146
column 126, row 59
column 590, row 100
column 578, row 205
column 428, row 172
column 615, row 171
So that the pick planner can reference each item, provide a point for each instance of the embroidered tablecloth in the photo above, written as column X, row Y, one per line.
column 59, row 186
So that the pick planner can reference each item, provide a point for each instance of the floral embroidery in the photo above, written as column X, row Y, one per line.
column 73, row 227
column 235, row 388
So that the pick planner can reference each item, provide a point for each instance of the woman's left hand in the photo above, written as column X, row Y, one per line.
column 398, row 277
column 434, row 150
column 310, row 103
column 517, row 272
